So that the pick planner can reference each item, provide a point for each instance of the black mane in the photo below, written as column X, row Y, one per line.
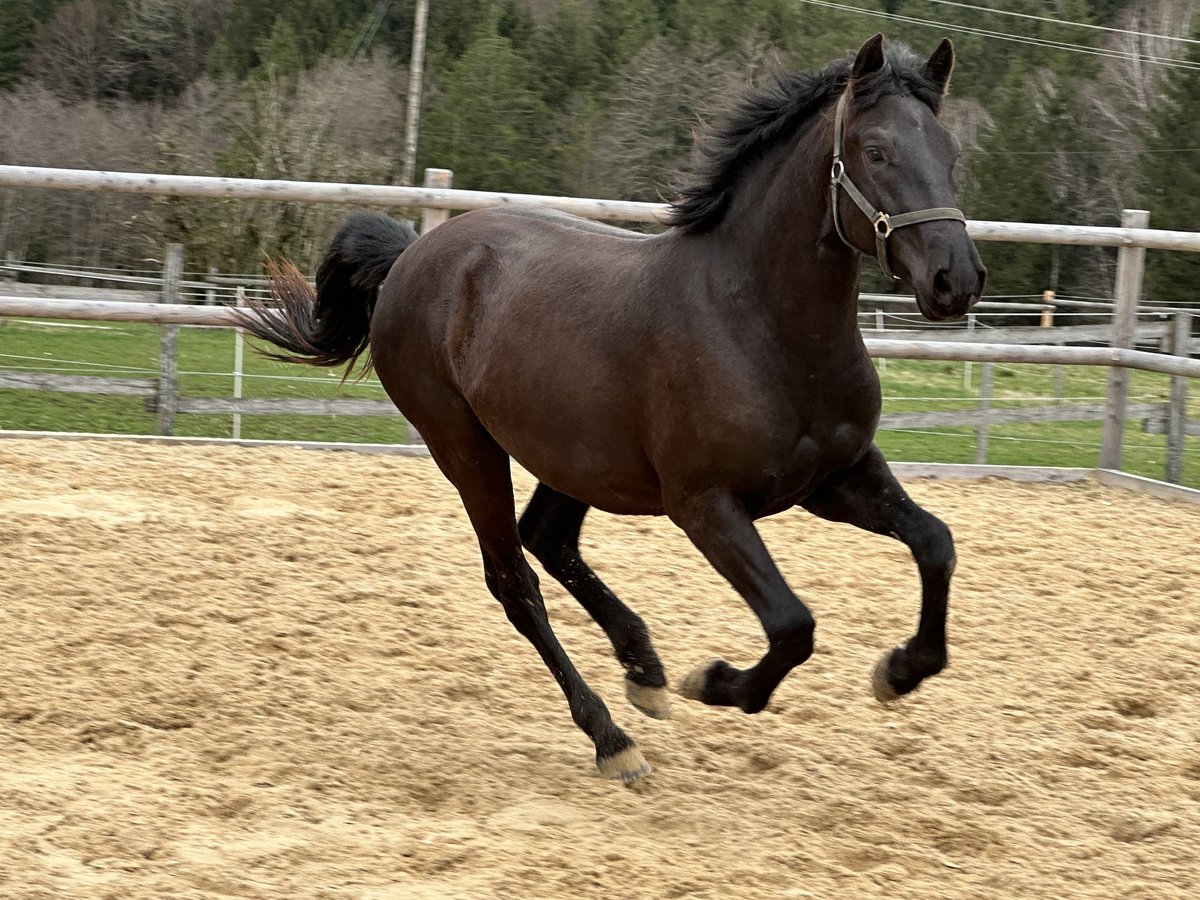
column 773, row 115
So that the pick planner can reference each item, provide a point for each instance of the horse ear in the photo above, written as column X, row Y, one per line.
column 869, row 59
column 941, row 64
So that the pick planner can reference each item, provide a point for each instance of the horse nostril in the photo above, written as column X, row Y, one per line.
column 941, row 282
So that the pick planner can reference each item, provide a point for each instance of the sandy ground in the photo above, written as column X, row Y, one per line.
column 269, row 673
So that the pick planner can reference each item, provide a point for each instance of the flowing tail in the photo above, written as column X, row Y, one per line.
column 330, row 326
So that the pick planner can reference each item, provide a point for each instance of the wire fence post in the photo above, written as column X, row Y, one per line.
column 168, row 347
column 1131, row 263
column 439, row 179
column 985, row 403
column 1181, row 345
column 1047, row 309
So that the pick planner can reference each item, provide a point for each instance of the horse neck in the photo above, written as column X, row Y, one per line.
column 781, row 224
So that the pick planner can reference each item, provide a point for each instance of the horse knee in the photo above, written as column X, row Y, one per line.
column 933, row 547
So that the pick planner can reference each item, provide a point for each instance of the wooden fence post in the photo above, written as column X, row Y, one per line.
column 168, row 364
column 1131, row 262
column 1177, row 405
column 986, row 372
column 441, row 179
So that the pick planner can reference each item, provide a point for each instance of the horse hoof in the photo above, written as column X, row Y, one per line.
column 653, row 701
column 692, row 686
column 884, row 692
column 628, row 766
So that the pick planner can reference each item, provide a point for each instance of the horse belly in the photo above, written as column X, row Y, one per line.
column 580, row 451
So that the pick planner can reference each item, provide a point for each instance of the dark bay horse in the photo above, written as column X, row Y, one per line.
column 713, row 373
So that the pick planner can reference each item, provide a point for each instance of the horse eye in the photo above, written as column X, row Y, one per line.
column 874, row 154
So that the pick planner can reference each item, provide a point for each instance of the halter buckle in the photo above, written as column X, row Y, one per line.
column 838, row 171
column 883, row 225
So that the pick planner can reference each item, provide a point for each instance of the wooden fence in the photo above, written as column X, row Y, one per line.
column 437, row 199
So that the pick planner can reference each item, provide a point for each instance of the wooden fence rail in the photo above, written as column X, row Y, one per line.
column 451, row 199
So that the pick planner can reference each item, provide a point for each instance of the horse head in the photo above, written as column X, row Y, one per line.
column 892, row 193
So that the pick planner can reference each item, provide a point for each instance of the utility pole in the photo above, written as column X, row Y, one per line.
column 416, row 70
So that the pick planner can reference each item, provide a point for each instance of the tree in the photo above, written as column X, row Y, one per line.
column 77, row 55
column 19, row 25
column 623, row 27
column 565, row 54
column 162, row 44
column 1010, row 184
column 661, row 102
column 1171, row 178
column 488, row 122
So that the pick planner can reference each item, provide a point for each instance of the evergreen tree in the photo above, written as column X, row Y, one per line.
column 1010, row 185
column 489, row 123
column 623, row 27
column 565, row 54
column 19, row 22
column 1170, row 170
column 279, row 56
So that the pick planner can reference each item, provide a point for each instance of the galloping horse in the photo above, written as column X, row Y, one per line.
column 713, row 373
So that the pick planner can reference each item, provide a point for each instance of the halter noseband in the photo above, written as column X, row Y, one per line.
column 883, row 224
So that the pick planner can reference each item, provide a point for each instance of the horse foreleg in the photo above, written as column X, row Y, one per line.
column 869, row 497
column 550, row 529
column 723, row 531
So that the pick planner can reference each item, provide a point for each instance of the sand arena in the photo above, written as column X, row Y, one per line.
column 277, row 673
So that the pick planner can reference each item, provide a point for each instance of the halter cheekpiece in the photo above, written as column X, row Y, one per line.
column 883, row 224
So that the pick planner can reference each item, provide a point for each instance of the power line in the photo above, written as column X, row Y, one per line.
column 1125, row 31
column 1166, row 61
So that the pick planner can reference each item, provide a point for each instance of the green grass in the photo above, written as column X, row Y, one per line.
column 206, row 365
column 917, row 386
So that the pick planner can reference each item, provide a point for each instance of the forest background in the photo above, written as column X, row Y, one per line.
column 1068, row 111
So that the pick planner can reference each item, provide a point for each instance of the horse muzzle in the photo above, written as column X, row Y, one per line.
column 949, row 283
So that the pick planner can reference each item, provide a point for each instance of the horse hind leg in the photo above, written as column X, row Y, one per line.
column 479, row 468
column 869, row 497
column 549, row 529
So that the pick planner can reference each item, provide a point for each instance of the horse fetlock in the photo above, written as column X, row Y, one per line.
column 927, row 662
column 794, row 641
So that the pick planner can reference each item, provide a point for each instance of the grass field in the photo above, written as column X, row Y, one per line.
column 206, row 365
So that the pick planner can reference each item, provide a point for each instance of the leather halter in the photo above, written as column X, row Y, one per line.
column 883, row 224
